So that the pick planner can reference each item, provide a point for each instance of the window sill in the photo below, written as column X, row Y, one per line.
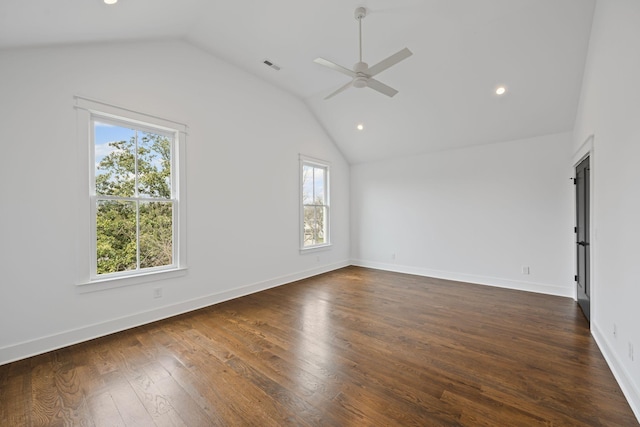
column 317, row 248
column 118, row 282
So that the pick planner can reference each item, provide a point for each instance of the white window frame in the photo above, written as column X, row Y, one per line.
column 310, row 161
column 90, row 111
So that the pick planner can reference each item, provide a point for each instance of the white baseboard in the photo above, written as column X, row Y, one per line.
column 629, row 387
column 14, row 352
column 541, row 288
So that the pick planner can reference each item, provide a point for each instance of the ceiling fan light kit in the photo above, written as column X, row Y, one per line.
column 362, row 75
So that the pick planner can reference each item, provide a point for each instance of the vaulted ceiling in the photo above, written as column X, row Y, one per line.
column 462, row 51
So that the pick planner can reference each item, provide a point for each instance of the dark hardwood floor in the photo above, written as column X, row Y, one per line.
column 354, row 347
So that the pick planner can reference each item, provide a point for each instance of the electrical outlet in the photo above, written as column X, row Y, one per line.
column 157, row 292
column 630, row 351
column 525, row 269
column 615, row 331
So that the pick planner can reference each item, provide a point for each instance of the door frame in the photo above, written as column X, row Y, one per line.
column 584, row 151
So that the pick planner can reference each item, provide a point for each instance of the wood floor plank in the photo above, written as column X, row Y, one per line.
column 104, row 411
column 15, row 394
column 351, row 347
column 486, row 412
column 131, row 410
column 47, row 407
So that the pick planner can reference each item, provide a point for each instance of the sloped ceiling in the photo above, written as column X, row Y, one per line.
column 462, row 50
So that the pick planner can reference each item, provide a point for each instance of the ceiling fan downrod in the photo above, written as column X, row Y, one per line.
column 361, row 67
column 359, row 14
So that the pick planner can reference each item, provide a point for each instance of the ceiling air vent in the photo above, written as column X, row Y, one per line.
column 271, row 64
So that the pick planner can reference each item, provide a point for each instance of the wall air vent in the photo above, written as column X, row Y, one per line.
column 271, row 64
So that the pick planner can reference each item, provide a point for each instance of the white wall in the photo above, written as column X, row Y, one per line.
column 242, row 186
column 610, row 111
column 476, row 214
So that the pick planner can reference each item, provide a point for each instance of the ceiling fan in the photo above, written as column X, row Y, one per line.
column 362, row 75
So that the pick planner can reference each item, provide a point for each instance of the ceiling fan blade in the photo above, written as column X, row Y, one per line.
column 389, row 62
column 342, row 89
column 334, row 66
column 381, row 87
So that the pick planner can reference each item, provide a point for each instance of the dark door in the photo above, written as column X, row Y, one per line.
column 582, row 236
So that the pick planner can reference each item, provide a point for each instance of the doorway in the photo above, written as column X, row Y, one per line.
column 582, row 181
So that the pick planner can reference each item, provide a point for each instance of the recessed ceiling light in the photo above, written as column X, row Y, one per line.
column 111, row 1
column 501, row 90
column 360, row 126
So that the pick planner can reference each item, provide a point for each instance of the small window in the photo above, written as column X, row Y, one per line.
column 136, row 214
column 314, row 203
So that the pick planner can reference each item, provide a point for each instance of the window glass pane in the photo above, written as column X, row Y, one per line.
column 309, row 225
column 322, row 224
column 319, row 226
column 318, row 185
column 115, row 236
column 156, row 234
column 314, row 225
column 114, row 160
column 307, row 185
column 154, row 165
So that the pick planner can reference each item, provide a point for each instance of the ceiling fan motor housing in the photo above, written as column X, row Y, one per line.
column 360, row 68
column 360, row 82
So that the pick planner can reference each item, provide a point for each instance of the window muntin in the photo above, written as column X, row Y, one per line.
column 315, row 204
column 133, row 198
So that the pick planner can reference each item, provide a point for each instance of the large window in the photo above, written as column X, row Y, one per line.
column 133, row 200
column 135, row 215
column 315, row 203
